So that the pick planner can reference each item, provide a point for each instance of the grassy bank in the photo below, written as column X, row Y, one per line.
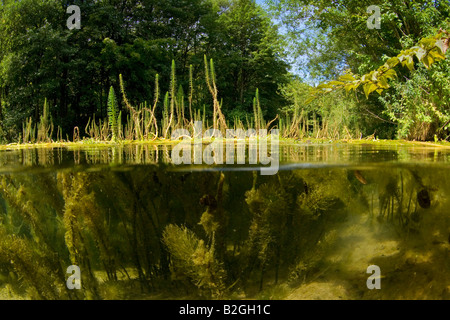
column 88, row 143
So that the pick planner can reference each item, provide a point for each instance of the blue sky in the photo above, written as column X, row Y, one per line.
column 294, row 64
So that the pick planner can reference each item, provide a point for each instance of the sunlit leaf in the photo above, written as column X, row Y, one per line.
column 335, row 83
column 347, row 77
column 350, row 87
column 436, row 54
column 324, row 86
column 392, row 62
column 382, row 82
column 390, row 74
column 369, row 88
column 375, row 76
column 410, row 63
column 440, row 44
column 428, row 43
column 384, row 68
column 420, row 54
column 310, row 99
column 427, row 61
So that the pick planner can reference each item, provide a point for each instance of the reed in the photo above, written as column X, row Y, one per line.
column 218, row 117
column 191, row 91
column 112, row 114
column 41, row 132
column 45, row 126
column 179, row 111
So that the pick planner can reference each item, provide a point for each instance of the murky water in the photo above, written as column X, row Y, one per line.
column 140, row 228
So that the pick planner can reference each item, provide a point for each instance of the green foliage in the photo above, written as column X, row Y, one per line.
column 36, row 270
column 113, row 117
column 257, row 112
column 337, row 45
column 40, row 133
column 218, row 117
column 331, row 116
column 419, row 118
column 193, row 258
column 428, row 51
column 420, row 104
column 268, row 205
column 40, row 57
column 334, row 36
column 251, row 55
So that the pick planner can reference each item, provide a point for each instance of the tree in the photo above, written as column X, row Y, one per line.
column 339, row 37
column 34, row 51
column 250, row 57
column 74, row 69
column 341, row 41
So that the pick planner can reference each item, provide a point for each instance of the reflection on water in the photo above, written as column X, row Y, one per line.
column 148, row 231
column 291, row 155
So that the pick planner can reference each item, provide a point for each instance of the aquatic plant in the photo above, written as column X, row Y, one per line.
column 113, row 116
column 86, row 231
column 191, row 92
column 214, row 219
column 193, row 258
column 270, row 206
column 259, row 120
column 134, row 114
column 320, row 192
column 153, row 121
column 43, row 131
column 45, row 126
column 98, row 132
column 219, row 121
column 173, row 82
column 31, row 240
column 35, row 268
column 311, row 263
column 142, row 122
column 400, row 199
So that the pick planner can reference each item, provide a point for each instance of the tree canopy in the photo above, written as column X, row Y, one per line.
column 74, row 69
column 335, row 36
column 344, row 52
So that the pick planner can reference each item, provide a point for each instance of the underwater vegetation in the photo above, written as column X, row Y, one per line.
column 146, row 232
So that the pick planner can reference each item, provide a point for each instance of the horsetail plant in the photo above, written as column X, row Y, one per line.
column 113, row 114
